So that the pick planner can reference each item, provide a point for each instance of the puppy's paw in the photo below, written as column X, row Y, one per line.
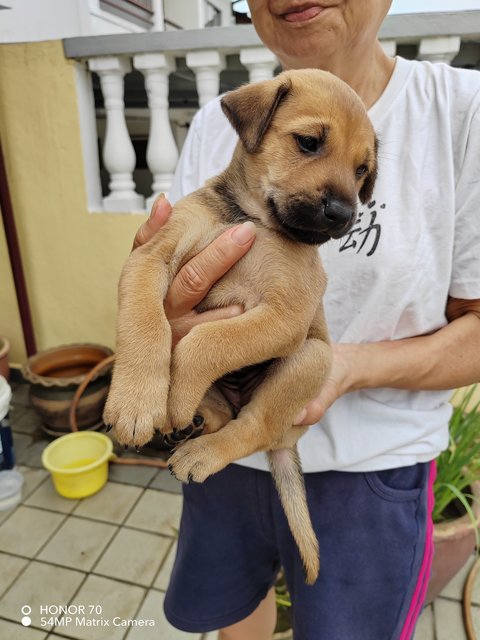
column 195, row 461
column 136, row 415
column 193, row 430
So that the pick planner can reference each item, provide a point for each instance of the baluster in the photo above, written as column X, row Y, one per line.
column 206, row 66
column 439, row 49
column 162, row 152
column 118, row 153
column 389, row 46
column 260, row 62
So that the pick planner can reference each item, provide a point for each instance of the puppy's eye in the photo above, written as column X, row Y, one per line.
column 361, row 170
column 308, row 144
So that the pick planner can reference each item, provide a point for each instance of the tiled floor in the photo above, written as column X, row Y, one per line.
column 112, row 554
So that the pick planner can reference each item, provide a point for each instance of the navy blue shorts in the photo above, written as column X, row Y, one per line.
column 375, row 537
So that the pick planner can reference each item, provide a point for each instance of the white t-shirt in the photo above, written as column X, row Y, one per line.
column 417, row 242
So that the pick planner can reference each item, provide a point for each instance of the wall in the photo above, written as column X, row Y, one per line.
column 10, row 325
column 28, row 20
column 190, row 15
column 72, row 259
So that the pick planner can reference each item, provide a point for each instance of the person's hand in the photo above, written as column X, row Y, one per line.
column 196, row 277
column 338, row 383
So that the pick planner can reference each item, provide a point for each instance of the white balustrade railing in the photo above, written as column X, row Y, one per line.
column 207, row 66
column 162, row 153
column 118, row 153
column 205, row 54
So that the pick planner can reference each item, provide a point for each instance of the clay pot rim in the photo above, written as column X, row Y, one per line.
column 46, row 381
column 4, row 346
column 463, row 525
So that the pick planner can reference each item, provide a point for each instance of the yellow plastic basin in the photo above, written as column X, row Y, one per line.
column 78, row 463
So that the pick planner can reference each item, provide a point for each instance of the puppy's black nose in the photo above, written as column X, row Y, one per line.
column 337, row 212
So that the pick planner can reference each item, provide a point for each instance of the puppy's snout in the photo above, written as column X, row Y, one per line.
column 339, row 214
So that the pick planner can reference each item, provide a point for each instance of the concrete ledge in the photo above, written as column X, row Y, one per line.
column 407, row 28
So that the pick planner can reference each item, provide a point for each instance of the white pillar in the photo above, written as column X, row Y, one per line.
column 162, row 153
column 158, row 16
column 260, row 62
column 389, row 47
column 118, row 153
column 439, row 49
column 206, row 66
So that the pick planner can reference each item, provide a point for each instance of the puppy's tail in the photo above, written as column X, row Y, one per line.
column 288, row 478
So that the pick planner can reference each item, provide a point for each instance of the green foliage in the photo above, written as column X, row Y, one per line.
column 459, row 466
column 282, row 597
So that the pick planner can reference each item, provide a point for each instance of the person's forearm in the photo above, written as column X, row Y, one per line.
column 446, row 359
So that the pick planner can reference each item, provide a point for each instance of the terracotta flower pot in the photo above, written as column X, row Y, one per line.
column 4, row 352
column 55, row 374
column 454, row 544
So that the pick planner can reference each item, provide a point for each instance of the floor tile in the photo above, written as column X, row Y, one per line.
column 12, row 631
column 476, row 621
column 27, row 530
column 21, row 394
column 78, row 543
column 32, row 456
column 454, row 589
column 161, row 581
column 152, row 609
column 46, row 497
column 448, row 620
column 10, row 567
column 158, row 512
column 425, row 629
column 116, row 600
column 21, row 443
column 32, row 478
column 4, row 515
column 134, row 556
column 25, row 420
column 38, row 586
column 131, row 474
column 111, row 504
column 166, row 482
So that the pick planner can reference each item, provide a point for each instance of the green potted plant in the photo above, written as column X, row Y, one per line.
column 283, row 629
column 456, row 514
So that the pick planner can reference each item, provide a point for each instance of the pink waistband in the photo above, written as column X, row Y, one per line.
column 424, row 574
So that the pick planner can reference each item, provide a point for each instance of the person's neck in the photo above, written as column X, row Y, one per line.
column 368, row 73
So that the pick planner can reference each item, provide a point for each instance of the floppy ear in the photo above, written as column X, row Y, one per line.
column 366, row 192
column 251, row 108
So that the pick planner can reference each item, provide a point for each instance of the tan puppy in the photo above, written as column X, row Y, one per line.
column 306, row 152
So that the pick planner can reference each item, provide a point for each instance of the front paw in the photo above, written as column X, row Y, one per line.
column 195, row 460
column 136, row 413
column 176, row 437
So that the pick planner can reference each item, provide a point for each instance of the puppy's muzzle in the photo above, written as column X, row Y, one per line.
column 314, row 222
column 339, row 216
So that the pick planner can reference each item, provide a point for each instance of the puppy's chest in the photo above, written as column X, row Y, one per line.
column 269, row 272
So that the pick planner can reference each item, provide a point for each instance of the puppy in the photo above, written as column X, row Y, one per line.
column 306, row 152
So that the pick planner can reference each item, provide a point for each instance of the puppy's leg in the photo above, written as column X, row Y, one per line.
column 213, row 413
column 213, row 349
column 137, row 399
column 263, row 423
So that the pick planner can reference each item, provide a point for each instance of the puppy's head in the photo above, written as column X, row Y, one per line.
column 308, row 152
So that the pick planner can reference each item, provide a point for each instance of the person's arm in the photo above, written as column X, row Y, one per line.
column 195, row 279
column 446, row 359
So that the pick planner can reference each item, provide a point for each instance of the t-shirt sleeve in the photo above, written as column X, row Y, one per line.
column 186, row 178
column 465, row 281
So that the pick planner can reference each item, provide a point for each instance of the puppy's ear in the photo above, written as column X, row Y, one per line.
column 366, row 192
column 251, row 108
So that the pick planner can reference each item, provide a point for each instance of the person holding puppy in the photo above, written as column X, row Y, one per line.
column 403, row 309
